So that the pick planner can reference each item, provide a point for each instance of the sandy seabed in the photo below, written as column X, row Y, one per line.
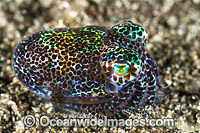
column 174, row 42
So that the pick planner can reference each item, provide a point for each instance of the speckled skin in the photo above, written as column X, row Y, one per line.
column 93, row 69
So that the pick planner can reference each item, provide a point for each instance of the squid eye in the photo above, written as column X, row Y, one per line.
column 120, row 68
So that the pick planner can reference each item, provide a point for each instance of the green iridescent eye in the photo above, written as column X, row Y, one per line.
column 120, row 68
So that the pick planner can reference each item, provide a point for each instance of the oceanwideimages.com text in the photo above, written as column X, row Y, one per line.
column 45, row 121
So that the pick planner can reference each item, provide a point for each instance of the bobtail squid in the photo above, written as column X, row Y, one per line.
column 94, row 69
